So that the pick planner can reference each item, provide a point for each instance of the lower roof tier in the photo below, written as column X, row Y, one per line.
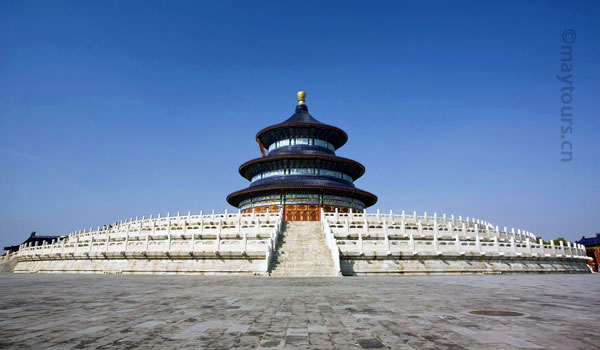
column 236, row 198
column 291, row 201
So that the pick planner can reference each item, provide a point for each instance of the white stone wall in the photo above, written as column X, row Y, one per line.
column 420, row 244
column 199, row 244
column 442, row 266
column 237, row 266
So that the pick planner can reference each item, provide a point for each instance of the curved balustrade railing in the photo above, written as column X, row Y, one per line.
column 331, row 244
column 363, row 234
column 249, row 235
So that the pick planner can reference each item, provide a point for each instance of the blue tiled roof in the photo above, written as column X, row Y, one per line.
column 591, row 241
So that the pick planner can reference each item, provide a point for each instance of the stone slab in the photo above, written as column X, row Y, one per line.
column 65, row 311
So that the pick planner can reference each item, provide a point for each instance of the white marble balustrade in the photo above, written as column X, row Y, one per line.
column 251, row 235
column 378, row 234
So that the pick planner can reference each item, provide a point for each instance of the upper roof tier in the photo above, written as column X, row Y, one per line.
column 302, row 124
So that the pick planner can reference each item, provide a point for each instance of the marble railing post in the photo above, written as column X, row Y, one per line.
column 257, row 228
column 219, row 233
column 147, row 242
column 521, row 235
column 450, row 228
column 420, row 228
column 386, row 237
column 360, row 242
column 201, row 225
column 570, row 248
column 552, row 247
column 346, row 226
column 512, row 244
column 528, row 243
column 542, row 246
column 477, row 241
column 169, row 236
column 411, row 242
column 245, row 241
column 403, row 216
column 350, row 214
column 403, row 225
column 435, row 237
column 457, row 242
column 562, row 248
column 194, row 241
column 337, row 214
column 107, row 242
column 127, row 236
column 378, row 215
column 496, row 244
column 464, row 229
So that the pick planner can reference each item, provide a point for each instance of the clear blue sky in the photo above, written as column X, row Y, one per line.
column 113, row 109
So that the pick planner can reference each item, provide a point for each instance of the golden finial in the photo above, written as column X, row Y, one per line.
column 301, row 97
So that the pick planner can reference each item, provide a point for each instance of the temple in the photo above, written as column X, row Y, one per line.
column 33, row 239
column 301, row 215
column 299, row 171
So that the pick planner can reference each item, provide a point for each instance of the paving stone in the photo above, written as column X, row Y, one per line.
column 214, row 312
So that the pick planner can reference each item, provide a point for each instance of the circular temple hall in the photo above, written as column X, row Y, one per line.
column 299, row 171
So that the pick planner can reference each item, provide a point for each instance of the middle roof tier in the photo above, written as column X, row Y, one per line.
column 299, row 161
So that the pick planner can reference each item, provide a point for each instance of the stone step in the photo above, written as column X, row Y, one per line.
column 289, row 251
column 302, row 251
column 298, row 255
column 303, row 266
column 302, row 274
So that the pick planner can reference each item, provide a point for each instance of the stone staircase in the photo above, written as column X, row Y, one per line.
column 302, row 251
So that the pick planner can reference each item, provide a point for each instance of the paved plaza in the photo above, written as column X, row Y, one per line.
column 206, row 312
